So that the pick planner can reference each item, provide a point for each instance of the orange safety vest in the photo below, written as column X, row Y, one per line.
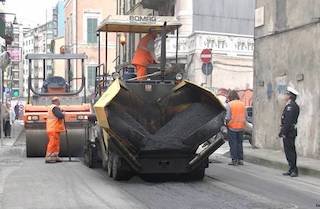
column 53, row 123
column 143, row 56
column 238, row 118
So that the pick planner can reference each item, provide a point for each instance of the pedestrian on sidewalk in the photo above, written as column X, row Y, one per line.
column 55, row 125
column 8, row 119
column 17, row 110
column 288, row 130
column 235, row 120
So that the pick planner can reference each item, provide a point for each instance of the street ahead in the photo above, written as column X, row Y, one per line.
column 32, row 184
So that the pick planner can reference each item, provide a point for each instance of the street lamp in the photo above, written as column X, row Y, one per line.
column 123, row 42
column 123, row 39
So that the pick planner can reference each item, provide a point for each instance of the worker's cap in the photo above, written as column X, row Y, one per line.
column 55, row 99
column 292, row 91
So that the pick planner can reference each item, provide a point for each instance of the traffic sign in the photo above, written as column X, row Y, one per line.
column 15, row 93
column 206, row 56
column 207, row 68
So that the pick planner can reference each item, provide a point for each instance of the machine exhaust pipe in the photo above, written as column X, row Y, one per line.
column 163, row 50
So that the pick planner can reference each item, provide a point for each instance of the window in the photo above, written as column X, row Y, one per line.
column 91, row 71
column 92, row 24
column 15, row 75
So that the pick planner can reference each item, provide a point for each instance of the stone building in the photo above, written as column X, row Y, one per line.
column 82, row 17
column 286, row 54
column 226, row 27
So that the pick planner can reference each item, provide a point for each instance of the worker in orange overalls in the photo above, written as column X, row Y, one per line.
column 236, row 122
column 144, row 55
column 55, row 125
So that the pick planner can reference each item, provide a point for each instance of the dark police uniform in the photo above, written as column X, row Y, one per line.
column 288, row 132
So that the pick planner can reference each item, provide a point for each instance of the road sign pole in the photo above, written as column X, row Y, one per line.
column 206, row 75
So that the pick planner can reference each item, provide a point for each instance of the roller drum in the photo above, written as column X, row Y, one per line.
column 37, row 140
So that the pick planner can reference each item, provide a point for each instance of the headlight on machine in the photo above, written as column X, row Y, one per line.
column 33, row 118
column 179, row 76
column 82, row 117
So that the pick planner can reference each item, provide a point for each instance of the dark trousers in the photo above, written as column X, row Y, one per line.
column 235, row 143
column 290, row 151
column 6, row 128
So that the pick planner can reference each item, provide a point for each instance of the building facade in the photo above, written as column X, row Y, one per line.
column 38, row 40
column 227, row 30
column 81, row 21
column 58, row 19
column 13, row 76
column 286, row 49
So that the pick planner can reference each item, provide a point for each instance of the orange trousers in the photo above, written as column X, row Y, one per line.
column 53, row 146
column 141, row 71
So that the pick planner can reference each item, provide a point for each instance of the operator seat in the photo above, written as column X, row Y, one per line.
column 55, row 84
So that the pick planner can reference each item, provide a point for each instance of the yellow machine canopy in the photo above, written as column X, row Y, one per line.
column 138, row 23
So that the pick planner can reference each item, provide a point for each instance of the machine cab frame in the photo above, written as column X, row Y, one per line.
column 136, row 24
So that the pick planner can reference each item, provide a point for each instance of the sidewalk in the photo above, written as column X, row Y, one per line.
column 8, row 149
column 276, row 159
column 16, row 131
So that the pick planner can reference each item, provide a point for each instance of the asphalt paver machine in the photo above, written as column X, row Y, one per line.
column 73, row 104
column 155, row 126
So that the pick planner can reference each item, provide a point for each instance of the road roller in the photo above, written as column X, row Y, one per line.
column 72, row 95
column 153, row 127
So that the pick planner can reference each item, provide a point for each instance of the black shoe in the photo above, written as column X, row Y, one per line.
column 240, row 162
column 287, row 173
column 233, row 162
column 50, row 161
column 294, row 174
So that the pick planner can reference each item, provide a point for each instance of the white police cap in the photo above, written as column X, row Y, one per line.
column 292, row 90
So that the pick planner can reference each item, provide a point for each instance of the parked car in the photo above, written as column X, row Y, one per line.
column 247, row 133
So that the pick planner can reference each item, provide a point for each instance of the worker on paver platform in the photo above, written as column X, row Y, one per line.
column 288, row 130
column 236, row 121
column 55, row 125
column 144, row 55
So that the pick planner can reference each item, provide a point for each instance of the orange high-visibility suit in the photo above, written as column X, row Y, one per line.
column 238, row 115
column 144, row 55
column 54, row 127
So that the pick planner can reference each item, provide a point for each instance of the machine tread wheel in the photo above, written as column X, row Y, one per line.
column 118, row 173
column 90, row 157
column 110, row 164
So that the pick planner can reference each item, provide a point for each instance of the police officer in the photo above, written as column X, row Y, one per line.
column 288, row 130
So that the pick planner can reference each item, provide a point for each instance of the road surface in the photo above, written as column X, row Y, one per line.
column 32, row 184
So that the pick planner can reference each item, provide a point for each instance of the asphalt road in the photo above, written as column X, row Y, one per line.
column 32, row 184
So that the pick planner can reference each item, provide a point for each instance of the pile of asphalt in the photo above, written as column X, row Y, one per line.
column 172, row 135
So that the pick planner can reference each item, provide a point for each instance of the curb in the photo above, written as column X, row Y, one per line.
column 280, row 165
column 18, row 136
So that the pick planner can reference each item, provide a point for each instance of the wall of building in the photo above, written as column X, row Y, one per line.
column 232, row 53
column 28, row 48
column 232, row 58
column 227, row 16
column 286, row 50
column 37, row 40
column 76, row 15
column 59, row 66
column 184, row 13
